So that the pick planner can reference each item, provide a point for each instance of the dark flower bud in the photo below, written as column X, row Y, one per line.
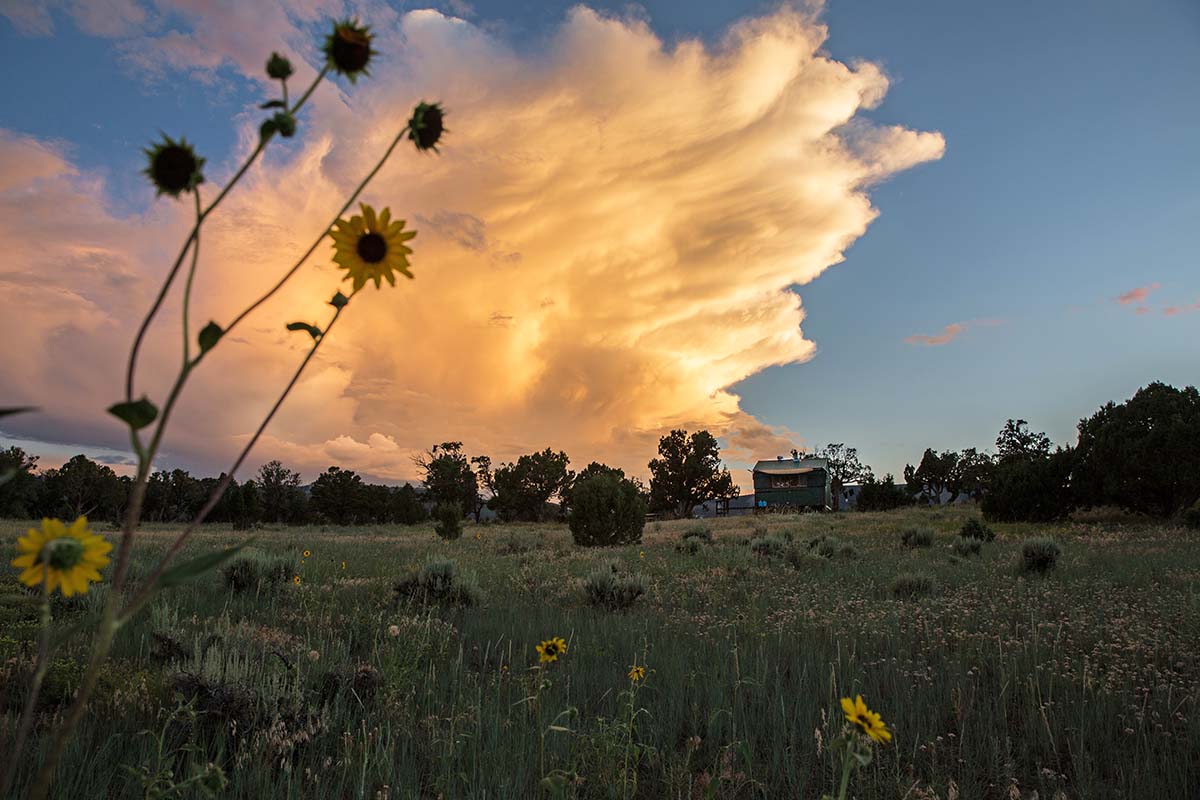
column 174, row 167
column 285, row 123
column 425, row 128
column 279, row 67
column 348, row 48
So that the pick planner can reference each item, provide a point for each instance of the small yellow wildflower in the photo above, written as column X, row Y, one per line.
column 343, row 566
column 70, row 557
column 868, row 721
column 641, row 554
column 637, row 673
column 296, row 579
column 549, row 650
column 307, row 553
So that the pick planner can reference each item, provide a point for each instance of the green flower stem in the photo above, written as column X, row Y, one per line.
column 39, row 675
column 112, row 621
column 192, row 237
column 187, row 286
column 847, row 764
column 349, row 202
column 147, row 589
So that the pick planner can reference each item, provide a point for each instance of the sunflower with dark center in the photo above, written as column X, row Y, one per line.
column 550, row 650
column 371, row 247
column 174, row 167
column 348, row 48
column 426, row 127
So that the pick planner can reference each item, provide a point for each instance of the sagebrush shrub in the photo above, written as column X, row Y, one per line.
column 448, row 521
column 913, row 584
column 606, row 510
column 606, row 587
column 255, row 571
column 977, row 529
column 1040, row 554
column 698, row 531
column 832, row 547
column 440, row 581
column 968, row 547
column 771, row 546
column 917, row 537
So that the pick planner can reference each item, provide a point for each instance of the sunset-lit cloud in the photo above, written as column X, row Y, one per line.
column 1138, row 295
column 607, row 243
column 948, row 334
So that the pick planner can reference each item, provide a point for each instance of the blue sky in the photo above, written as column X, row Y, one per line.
column 1069, row 178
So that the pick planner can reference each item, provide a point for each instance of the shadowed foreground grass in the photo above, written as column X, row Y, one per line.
column 1082, row 683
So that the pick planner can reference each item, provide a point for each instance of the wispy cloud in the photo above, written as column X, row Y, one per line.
column 1171, row 311
column 948, row 334
column 628, row 175
column 1137, row 295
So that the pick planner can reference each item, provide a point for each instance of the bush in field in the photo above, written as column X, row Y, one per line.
column 1040, row 554
column 694, row 539
column 913, row 584
column 606, row 510
column 448, row 518
column 832, row 547
column 605, row 587
column 1031, row 488
column 254, row 572
column 881, row 495
column 917, row 537
column 968, row 547
column 440, row 581
column 1191, row 517
column 771, row 546
column 977, row 529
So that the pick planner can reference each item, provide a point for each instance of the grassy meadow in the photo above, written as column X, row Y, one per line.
column 1082, row 682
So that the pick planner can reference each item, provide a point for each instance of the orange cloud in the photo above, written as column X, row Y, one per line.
column 948, row 334
column 607, row 243
column 1136, row 295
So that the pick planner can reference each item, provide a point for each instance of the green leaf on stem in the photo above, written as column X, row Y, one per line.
column 182, row 573
column 210, row 334
column 4, row 412
column 272, row 104
column 312, row 330
column 137, row 414
column 267, row 129
column 339, row 300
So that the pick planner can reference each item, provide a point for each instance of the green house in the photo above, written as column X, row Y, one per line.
column 792, row 484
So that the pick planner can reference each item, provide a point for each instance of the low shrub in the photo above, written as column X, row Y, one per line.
column 768, row 546
column 1191, row 517
column 363, row 680
column 699, row 532
column 917, row 537
column 254, row 571
column 606, row 510
column 1040, row 554
column 606, row 587
column 913, row 584
column 448, row 521
column 832, row 547
column 977, row 529
column 440, row 581
column 968, row 547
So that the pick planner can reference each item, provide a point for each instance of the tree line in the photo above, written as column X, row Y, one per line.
column 1142, row 455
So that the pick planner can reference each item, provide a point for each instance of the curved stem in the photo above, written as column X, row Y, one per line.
column 187, row 287
column 147, row 589
column 349, row 202
column 194, row 234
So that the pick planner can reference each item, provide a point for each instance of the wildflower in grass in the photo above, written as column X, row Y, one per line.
column 348, row 48
column 425, row 127
column 307, row 553
column 61, row 557
column 641, row 554
column 549, row 650
column 314, row 656
column 868, row 721
column 371, row 247
column 296, row 579
column 174, row 167
column 637, row 673
column 393, row 631
column 343, row 566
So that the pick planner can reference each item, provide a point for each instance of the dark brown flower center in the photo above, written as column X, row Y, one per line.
column 64, row 553
column 430, row 129
column 174, row 167
column 372, row 248
column 350, row 50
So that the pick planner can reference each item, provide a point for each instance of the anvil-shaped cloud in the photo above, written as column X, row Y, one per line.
column 608, row 242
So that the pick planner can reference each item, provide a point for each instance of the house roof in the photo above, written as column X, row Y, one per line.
column 791, row 466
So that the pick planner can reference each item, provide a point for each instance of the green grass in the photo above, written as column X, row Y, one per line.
column 1083, row 681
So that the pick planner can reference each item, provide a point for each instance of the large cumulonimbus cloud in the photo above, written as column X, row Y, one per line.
column 607, row 242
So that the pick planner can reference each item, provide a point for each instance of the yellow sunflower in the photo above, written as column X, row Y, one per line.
column 296, row 579
column 307, row 553
column 71, row 557
column 549, row 650
column 371, row 248
column 868, row 721
column 636, row 673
